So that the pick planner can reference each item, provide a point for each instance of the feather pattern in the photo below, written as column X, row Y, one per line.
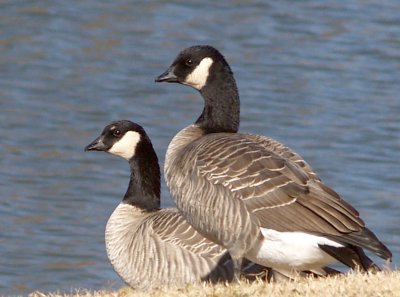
column 247, row 182
column 150, row 250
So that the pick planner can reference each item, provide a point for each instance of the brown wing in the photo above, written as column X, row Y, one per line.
column 237, row 185
column 282, row 151
column 363, row 237
column 276, row 190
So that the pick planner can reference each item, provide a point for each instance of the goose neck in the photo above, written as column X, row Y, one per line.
column 221, row 106
column 144, row 185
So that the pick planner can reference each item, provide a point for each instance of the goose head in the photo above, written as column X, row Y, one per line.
column 196, row 66
column 120, row 138
column 205, row 69
column 129, row 141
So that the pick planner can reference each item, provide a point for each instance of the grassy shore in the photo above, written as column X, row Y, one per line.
column 354, row 285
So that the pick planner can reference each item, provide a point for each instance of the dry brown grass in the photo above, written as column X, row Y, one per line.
column 351, row 285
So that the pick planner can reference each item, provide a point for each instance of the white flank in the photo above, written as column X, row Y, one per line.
column 198, row 77
column 291, row 250
column 126, row 146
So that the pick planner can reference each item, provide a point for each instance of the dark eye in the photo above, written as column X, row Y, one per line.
column 189, row 62
column 116, row 133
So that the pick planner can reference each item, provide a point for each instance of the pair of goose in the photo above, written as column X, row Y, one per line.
column 238, row 196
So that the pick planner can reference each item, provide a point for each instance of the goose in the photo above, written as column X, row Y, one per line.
column 147, row 246
column 250, row 193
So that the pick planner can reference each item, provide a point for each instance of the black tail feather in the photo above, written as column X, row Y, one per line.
column 351, row 256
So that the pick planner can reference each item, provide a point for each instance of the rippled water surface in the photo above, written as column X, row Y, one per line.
column 322, row 78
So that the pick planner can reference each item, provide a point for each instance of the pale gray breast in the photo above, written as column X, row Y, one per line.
column 181, row 140
column 206, row 206
column 161, row 249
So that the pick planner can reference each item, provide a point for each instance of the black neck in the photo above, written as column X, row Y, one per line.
column 144, row 185
column 221, row 111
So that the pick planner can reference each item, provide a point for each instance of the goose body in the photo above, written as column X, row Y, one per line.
column 250, row 193
column 161, row 249
column 147, row 246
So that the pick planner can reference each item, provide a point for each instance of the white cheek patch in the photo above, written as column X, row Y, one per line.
column 198, row 77
column 126, row 146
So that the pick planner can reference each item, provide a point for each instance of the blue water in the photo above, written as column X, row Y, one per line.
column 322, row 78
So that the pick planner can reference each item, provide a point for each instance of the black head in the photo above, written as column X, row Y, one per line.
column 129, row 141
column 195, row 66
column 119, row 138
